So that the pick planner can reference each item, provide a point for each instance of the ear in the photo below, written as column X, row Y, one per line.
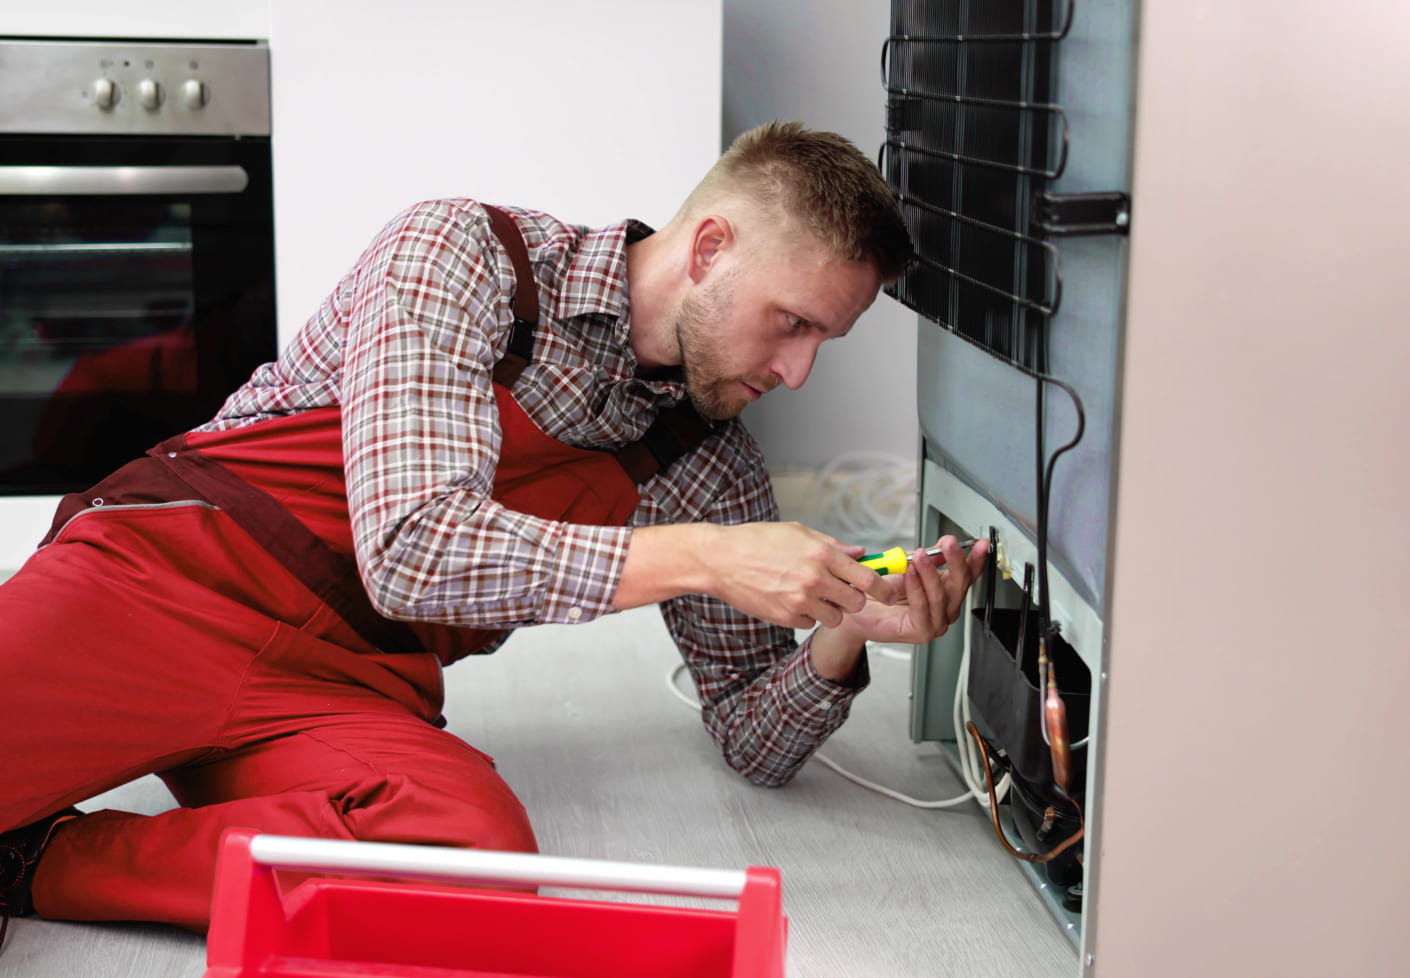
column 713, row 235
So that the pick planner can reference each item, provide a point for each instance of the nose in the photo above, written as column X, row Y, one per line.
column 792, row 366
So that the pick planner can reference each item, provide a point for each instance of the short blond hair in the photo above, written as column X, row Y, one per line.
column 821, row 180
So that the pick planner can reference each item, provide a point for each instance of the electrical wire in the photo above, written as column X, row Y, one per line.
column 889, row 650
column 969, row 759
column 888, row 792
column 1045, row 487
column 973, row 791
column 1051, row 707
column 671, row 680
column 675, row 689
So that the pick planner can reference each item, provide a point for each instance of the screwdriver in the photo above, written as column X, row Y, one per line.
column 896, row 560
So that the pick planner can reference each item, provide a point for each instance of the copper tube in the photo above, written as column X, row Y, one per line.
column 1031, row 857
column 1055, row 716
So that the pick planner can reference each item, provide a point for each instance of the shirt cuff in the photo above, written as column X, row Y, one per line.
column 820, row 702
column 585, row 573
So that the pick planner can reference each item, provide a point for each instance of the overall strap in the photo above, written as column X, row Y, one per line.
column 330, row 575
column 526, row 300
column 675, row 431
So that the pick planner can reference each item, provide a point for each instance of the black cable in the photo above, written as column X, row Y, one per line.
column 1039, row 434
column 1044, row 475
column 1045, row 486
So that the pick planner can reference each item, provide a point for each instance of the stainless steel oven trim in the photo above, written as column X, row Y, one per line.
column 49, row 181
column 123, row 87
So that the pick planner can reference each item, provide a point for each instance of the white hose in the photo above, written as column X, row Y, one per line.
column 874, row 505
column 970, row 762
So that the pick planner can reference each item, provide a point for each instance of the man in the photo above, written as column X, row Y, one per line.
column 480, row 428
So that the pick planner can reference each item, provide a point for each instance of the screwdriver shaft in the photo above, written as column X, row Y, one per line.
column 964, row 545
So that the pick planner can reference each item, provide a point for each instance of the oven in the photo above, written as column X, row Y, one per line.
column 136, row 248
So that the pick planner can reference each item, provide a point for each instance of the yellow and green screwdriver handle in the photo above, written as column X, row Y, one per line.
column 897, row 561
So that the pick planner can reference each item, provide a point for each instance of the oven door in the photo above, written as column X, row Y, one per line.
column 136, row 292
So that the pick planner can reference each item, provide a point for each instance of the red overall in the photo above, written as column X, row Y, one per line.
column 164, row 639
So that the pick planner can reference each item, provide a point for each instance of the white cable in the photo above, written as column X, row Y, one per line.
column 828, row 762
column 889, row 650
column 970, row 760
column 959, row 714
column 694, row 704
column 889, row 793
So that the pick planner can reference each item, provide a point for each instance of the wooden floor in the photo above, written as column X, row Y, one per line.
column 610, row 765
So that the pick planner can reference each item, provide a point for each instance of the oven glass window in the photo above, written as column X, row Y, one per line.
column 97, row 303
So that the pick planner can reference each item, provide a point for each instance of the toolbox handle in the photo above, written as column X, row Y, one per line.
column 485, row 866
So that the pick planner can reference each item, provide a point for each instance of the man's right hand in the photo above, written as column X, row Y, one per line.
column 789, row 574
column 784, row 573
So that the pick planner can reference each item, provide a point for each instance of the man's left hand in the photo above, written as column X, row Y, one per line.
column 928, row 599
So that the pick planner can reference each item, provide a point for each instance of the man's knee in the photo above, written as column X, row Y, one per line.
column 481, row 814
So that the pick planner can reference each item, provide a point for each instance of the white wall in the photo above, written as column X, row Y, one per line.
column 1257, row 724
column 819, row 62
column 593, row 112
column 187, row 19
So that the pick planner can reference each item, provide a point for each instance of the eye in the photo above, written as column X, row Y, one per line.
column 795, row 322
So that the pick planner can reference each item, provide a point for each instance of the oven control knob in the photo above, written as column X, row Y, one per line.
column 149, row 93
column 193, row 93
column 105, row 93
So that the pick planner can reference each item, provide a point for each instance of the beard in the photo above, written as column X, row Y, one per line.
column 714, row 393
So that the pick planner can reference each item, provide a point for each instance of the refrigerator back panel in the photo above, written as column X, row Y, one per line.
column 1007, row 146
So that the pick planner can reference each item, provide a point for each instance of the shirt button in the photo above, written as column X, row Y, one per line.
column 824, row 704
column 574, row 614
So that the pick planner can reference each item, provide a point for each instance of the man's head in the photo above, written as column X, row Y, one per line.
column 782, row 245
column 814, row 182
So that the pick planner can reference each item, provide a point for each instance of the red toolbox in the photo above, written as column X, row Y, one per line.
column 336, row 927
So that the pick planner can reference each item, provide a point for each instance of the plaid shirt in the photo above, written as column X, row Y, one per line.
column 406, row 344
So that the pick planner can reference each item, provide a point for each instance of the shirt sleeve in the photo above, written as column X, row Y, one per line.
column 765, row 704
column 428, row 316
column 761, row 697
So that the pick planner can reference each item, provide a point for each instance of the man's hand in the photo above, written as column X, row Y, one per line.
column 791, row 575
column 783, row 573
column 924, row 603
